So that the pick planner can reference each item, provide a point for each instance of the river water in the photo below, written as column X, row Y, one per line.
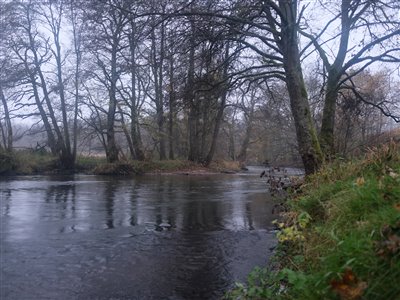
column 147, row 237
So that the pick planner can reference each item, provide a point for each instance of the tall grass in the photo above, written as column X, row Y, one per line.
column 349, row 246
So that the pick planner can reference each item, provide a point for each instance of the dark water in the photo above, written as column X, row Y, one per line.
column 149, row 237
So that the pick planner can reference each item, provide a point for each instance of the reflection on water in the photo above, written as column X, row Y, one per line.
column 175, row 237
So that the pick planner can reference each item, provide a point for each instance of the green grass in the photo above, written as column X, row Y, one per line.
column 26, row 162
column 352, row 228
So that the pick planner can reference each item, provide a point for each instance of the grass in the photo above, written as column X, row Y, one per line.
column 341, row 236
column 161, row 166
column 26, row 162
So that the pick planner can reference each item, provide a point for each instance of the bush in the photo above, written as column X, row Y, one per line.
column 7, row 163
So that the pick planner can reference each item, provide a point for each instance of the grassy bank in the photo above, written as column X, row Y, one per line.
column 29, row 163
column 164, row 166
column 26, row 163
column 340, row 238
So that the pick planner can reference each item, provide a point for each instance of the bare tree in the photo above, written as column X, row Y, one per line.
column 107, row 30
column 34, row 50
column 368, row 33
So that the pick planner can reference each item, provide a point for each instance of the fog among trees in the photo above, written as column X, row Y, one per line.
column 248, row 80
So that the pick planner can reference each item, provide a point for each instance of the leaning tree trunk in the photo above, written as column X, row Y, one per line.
column 307, row 139
column 309, row 148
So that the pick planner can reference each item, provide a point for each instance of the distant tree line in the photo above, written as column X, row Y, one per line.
column 244, row 80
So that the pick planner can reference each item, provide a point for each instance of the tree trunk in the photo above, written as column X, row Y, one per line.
column 67, row 158
column 135, row 130
column 221, row 108
column 171, row 114
column 327, row 138
column 112, row 150
column 193, row 134
column 328, row 117
column 218, row 122
column 78, row 54
column 157, row 67
column 307, row 139
column 246, row 141
column 190, row 102
column 9, row 139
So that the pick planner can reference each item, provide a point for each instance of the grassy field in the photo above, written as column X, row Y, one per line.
column 340, row 238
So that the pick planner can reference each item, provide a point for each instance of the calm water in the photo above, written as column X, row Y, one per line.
column 148, row 237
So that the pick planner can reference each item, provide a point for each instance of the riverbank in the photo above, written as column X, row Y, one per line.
column 340, row 236
column 31, row 163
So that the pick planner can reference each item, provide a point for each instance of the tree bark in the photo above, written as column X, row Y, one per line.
column 221, row 108
column 66, row 157
column 9, row 139
column 157, row 67
column 171, row 114
column 326, row 135
column 135, row 137
column 112, row 150
column 307, row 139
column 190, row 102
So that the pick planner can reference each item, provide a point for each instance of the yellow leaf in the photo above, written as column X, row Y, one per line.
column 360, row 181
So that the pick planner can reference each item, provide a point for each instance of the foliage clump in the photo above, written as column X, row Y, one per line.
column 26, row 162
column 341, row 236
column 117, row 168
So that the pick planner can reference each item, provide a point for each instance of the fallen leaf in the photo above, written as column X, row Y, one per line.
column 390, row 244
column 349, row 287
column 397, row 206
column 360, row 181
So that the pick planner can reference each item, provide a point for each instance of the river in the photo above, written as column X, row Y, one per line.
column 146, row 237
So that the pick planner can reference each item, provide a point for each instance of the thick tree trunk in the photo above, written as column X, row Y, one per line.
column 309, row 147
column 328, row 117
column 307, row 139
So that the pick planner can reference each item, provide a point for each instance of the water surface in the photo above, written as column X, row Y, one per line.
column 148, row 237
